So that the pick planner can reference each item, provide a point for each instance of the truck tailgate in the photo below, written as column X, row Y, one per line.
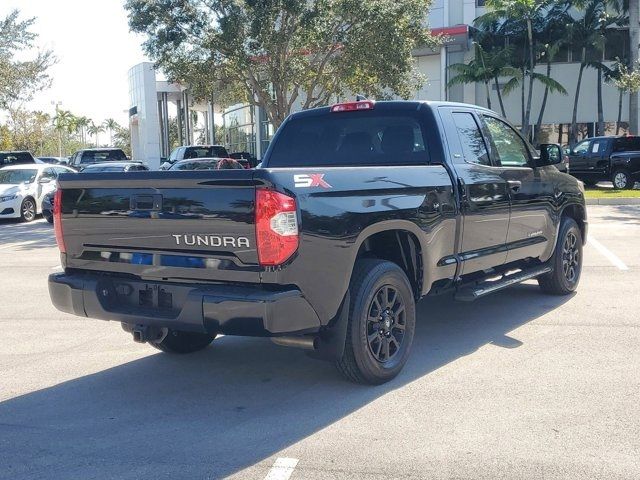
column 193, row 225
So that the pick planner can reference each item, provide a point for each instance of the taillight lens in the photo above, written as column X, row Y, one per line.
column 277, row 234
column 57, row 220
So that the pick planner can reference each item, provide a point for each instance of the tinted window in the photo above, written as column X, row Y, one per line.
column 626, row 144
column 49, row 173
column 582, row 147
column 95, row 156
column 205, row 152
column 15, row 158
column 511, row 149
column 357, row 138
column 473, row 146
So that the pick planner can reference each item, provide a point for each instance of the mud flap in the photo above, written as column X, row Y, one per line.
column 332, row 339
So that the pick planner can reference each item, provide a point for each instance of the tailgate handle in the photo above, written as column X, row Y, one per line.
column 146, row 202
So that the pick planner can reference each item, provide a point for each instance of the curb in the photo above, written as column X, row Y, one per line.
column 612, row 201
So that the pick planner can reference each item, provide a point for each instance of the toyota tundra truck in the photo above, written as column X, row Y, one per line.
column 357, row 212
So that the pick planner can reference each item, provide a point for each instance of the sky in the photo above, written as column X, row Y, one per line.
column 94, row 48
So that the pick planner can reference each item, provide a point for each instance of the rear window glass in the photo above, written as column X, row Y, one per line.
column 354, row 138
column 15, row 158
column 626, row 144
column 205, row 152
column 91, row 156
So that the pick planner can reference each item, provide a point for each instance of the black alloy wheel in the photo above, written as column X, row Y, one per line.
column 386, row 324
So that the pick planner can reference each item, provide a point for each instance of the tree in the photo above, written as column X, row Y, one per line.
column 626, row 80
column 521, row 16
column 82, row 123
column 27, row 129
column 111, row 125
column 20, row 78
column 95, row 130
column 634, row 44
column 122, row 139
column 279, row 55
column 585, row 34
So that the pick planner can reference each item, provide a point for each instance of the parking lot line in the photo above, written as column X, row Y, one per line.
column 607, row 253
column 282, row 469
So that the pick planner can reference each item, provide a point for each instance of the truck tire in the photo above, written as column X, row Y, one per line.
column 622, row 180
column 566, row 261
column 382, row 317
column 178, row 341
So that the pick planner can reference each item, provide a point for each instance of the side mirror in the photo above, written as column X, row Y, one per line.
column 44, row 180
column 550, row 154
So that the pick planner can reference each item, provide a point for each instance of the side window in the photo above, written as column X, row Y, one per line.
column 598, row 146
column 473, row 146
column 49, row 173
column 511, row 149
column 581, row 148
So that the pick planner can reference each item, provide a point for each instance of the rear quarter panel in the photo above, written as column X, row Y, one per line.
column 359, row 202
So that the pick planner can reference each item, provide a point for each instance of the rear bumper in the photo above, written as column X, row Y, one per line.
column 229, row 309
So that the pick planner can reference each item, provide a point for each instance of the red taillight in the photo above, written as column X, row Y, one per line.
column 353, row 106
column 276, row 227
column 57, row 220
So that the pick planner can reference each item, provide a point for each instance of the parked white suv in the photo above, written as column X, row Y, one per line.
column 23, row 187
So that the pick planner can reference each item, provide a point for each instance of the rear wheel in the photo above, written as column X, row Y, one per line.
column 28, row 210
column 621, row 179
column 566, row 261
column 178, row 341
column 381, row 323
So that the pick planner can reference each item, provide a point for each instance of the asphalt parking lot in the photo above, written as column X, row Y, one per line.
column 517, row 385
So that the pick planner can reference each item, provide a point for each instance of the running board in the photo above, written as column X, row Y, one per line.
column 474, row 291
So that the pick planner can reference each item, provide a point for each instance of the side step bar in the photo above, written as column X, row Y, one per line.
column 469, row 293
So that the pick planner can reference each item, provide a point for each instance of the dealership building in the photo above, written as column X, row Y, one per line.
column 248, row 130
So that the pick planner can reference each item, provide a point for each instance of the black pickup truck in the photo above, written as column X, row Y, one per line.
column 607, row 158
column 358, row 211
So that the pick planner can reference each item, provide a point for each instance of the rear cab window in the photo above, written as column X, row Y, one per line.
column 214, row 151
column 384, row 136
column 626, row 144
column 97, row 156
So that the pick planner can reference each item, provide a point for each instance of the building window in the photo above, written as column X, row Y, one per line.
column 240, row 132
column 480, row 3
column 266, row 131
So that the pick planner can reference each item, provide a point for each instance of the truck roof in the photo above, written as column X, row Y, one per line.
column 400, row 104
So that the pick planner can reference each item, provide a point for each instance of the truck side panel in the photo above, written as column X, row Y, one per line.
column 357, row 203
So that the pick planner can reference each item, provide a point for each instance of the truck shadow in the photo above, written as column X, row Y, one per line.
column 27, row 236
column 216, row 412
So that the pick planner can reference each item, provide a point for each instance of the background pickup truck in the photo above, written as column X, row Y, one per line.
column 607, row 158
column 359, row 210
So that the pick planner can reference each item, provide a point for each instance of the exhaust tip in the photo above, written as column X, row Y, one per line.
column 305, row 343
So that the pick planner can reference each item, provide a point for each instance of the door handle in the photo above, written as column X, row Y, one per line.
column 514, row 185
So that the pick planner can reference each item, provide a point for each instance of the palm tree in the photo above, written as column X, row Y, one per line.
column 473, row 72
column 82, row 123
column 634, row 42
column 521, row 16
column 94, row 130
column 585, row 33
column 111, row 125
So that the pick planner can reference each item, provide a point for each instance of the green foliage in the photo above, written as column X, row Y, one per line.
column 281, row 53
column 63, row 134
column 20, row 78
column 625, row 79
